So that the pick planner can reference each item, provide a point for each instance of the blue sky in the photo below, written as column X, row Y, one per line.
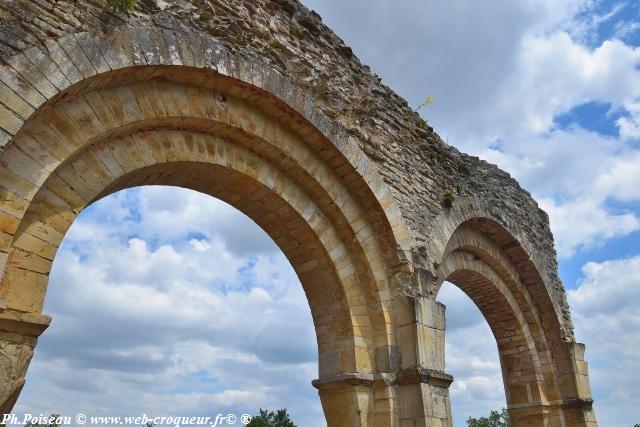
column 549, row 90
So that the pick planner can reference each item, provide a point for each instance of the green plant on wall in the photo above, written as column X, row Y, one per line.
column 124, row 6
column 428, row 101
column 447, row 200
column 422, row 123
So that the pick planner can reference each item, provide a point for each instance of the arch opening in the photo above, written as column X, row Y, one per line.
column 475, row 261
column 471, row 357
column 170, row 302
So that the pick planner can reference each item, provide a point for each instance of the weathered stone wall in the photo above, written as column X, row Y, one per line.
column 288, row 38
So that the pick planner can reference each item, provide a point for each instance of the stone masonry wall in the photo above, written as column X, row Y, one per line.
column 285, row 36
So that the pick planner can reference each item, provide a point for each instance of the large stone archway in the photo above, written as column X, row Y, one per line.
column 481, row 260
column 370, row 207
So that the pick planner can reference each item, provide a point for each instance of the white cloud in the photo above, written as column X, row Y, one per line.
column 630, row 125
column 200, row 245
column 607, row 319
column 626, row 29
column 554, row 74
column 621, row 179
column 178, row 216
column 608, row 287
column 170, row 324
column 586, row 223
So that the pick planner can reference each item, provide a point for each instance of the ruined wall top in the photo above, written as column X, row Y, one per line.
column 421, row 170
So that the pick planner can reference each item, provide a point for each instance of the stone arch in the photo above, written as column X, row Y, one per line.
column 501, row 298
column 74, row 65
column 124, row 117
column 539, row 275
column 543, row 372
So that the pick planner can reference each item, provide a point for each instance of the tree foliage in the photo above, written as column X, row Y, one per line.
column 494, row 419
column 280, row 418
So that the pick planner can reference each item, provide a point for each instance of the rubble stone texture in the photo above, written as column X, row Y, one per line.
column 258, row 103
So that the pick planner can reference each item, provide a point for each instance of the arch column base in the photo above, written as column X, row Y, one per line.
column 569, row 412
column 579, row 409
column 347, row 399
column 19, row 333
column 415, row 397
column 580, row 413
column 576, row 402
column 535, row 416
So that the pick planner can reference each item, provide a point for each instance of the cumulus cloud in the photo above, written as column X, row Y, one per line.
column 584, row 222
column 169, row 324
column 630, row 125
column 607, row 318
column 554, row 74
column 147, row 212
